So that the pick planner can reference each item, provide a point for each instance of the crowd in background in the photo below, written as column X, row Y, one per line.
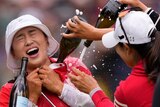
column 104, row 63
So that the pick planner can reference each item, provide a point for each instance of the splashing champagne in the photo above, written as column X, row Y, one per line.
column 68, row 45
column 107, row 16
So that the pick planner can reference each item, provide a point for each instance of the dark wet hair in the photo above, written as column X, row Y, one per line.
column 152, row 58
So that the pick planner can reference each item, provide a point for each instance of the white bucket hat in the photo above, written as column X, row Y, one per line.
column 17, row 24
column 138, row 27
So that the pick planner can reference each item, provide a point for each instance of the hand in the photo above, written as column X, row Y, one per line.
column 134, row 3
column 34, row 85
column 50, row 80
column 83, row 81
column 81, row 29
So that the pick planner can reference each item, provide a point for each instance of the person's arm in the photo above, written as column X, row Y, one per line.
column 153, row 14
column 84, row 30
column 86, row 83
column 52, row 80
column 134, row 3
column 70, row 94
column 100, row 99
column 75, row 98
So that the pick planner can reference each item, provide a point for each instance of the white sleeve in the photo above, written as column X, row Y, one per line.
column 74, row 98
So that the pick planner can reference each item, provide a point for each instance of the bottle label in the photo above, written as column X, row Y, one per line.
column 22, row 101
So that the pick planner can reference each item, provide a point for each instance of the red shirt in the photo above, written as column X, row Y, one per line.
column 42, row 102
column 135, row 91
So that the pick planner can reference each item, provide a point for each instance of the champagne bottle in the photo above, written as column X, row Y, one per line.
column 107, row 16
column 19, row 88
column 68, row 45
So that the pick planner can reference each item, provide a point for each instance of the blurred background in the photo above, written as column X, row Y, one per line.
column 105, row 64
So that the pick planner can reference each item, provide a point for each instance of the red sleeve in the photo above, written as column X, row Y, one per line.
column 119, row 97
column 5, row 94
column 101, row 100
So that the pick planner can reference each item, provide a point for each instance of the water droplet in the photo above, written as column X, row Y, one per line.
column 102, row 19
column 63, row 26
column 81, row 13
column 109, row 18
column 83, row 52
column 94, row 66
column 77, row 12
column 70, row 64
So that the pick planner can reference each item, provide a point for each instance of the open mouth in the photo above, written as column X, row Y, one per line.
column 32, row 51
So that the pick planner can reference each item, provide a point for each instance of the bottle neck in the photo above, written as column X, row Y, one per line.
column 23, row 66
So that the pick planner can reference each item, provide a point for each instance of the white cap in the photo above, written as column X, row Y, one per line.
column 138, row 27
column 17, row 24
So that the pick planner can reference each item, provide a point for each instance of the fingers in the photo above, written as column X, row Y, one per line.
column 44, row 73
column 78, row 72
column 33, row 74
column 45, row 70
column 70, row 24
column 77, row 20
column 71, row 35
column 33, row 81
column 72, row 77
column 73, row 23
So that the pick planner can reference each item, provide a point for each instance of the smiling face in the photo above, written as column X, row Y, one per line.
column 32, row 43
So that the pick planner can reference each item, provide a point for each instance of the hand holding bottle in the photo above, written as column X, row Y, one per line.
column 106, row 19
column 79, row 28
column 84, row 30
column 134, row 3
column 68, row 45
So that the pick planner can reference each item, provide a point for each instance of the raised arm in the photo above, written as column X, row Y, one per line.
column 153, row 14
